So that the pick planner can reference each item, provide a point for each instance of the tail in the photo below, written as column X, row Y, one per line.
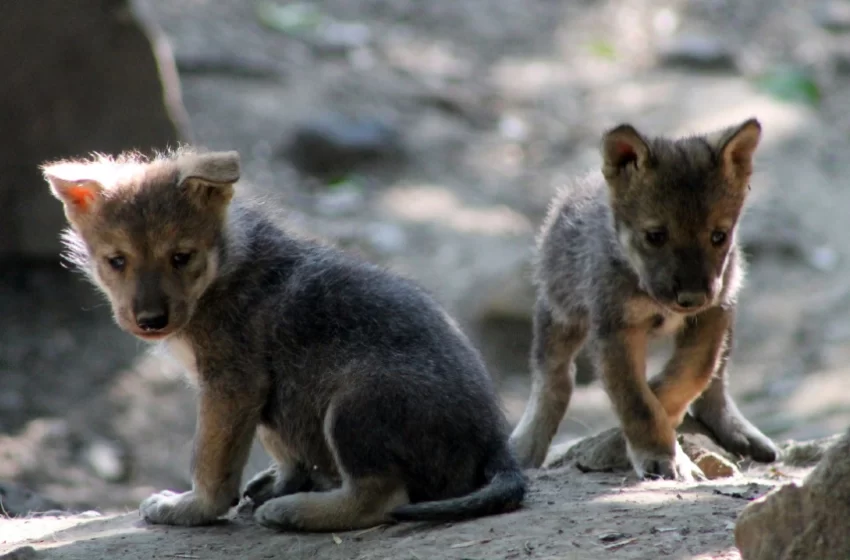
column 504, row 492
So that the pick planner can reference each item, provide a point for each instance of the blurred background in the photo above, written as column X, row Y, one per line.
column 428, row 136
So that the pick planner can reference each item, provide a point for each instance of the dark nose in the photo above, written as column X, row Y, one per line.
column 689, row 300
column 152, row 320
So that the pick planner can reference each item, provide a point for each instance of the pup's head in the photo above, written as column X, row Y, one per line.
column 676, row 204
column 149, row 233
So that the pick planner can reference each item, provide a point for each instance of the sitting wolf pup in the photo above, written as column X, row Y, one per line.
column 373, row 404
column 646, row 248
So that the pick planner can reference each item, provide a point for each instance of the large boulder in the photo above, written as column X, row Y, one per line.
column 78, row 76
column 802, row 521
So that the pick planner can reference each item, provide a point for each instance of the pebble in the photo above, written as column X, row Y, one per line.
column 702, row 52
column 107, row 461
column 334, row 143
column 833, row 15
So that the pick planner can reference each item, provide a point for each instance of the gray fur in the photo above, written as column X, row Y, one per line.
column 600, row 284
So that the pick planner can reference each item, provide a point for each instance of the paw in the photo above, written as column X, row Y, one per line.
column 262, row 487
column 275, row 483
column 674, row 466
column 737, row 435
column 280, row 514
column 172, row 508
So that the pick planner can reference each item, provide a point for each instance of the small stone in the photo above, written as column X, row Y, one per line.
column 702, row 52
column 343, row 200
column 342, row 36
column 22, row 553
column 107, row 461
column 714, row 466
column 823, row 259
column 387, row 239
column 833, row 15
column 334, row 144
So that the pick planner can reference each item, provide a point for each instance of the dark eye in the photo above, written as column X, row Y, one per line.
column 118, row 262
column 718, row 238
column 657, row 237
column 179, row 260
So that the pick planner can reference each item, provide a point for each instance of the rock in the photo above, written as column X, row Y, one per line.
column 94, row 80
column 606, row 451
column 17, row 501
column 335, row 144
column 713, row 465
column 802, row 521
column 807, row 453
column 107, row 460
column 22, row 553
column 343, row 200
column 833, row 15
column 702, row 52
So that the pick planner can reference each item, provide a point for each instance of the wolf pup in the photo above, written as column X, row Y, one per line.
column 373, row 404
column 646, row 248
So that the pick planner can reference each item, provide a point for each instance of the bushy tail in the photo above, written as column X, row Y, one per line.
column 504, row 492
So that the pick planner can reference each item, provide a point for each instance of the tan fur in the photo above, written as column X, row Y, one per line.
column 646, row 249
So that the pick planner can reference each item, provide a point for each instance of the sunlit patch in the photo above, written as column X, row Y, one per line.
column 439, row 205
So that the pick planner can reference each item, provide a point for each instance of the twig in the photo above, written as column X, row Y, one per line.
column 619, row 544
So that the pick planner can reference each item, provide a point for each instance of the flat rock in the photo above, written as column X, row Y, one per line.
column 701, row 52
column 17, row 501
column 334, row 144
column 606, row 452
column 802, row 521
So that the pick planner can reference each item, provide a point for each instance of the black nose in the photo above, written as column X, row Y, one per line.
column 152, row 321
column 691, row 299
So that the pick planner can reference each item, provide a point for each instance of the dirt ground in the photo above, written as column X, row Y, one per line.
column 568, row 515
column 496, row 103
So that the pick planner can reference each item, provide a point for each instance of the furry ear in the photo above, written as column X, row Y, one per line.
column 623, row 146
column 736, row 146
column 80, row 196
column 210, row 176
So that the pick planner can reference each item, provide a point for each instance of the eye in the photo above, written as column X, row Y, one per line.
column 718, row 238
column 118, row 262
column 180, row 259
column 656, row 237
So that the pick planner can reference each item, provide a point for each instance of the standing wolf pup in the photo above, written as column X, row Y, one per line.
column 373, row 404
column 646, row 248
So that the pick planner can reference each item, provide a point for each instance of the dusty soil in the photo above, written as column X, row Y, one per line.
column 497, row 103
column 568, row 515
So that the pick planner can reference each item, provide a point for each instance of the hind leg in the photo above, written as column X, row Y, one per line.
column 357, row 504
column 287, row 476
column 716, row 409
column 369, row 491
column 552, row 371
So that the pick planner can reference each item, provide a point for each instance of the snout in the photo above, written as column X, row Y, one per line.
column 151, row 321
column 691, row 299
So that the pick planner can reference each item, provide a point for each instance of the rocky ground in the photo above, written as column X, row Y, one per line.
column 469, row 114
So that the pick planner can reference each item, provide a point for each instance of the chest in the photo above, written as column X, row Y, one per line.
column 181, row 352
column 657, row 321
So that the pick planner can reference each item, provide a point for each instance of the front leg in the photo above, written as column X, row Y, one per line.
column 717, row 411
column 226, row 425
column 701, row 350
column 650, row 438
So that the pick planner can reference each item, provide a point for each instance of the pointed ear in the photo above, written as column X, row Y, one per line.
column 736, row 146
column 80, row 196
column 621, row 147
column 210, row 177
